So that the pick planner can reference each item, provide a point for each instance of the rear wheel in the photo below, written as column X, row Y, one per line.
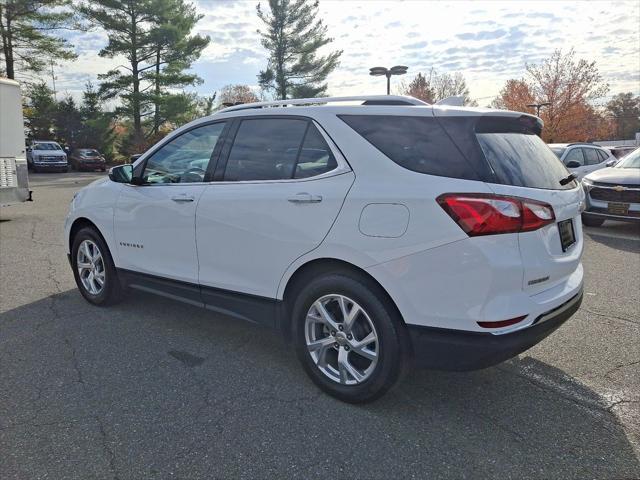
column 349, row 342
column 590, row 221
column 93, row 268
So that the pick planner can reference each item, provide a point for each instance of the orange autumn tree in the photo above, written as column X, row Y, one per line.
column 515, row 95
column 570, row 86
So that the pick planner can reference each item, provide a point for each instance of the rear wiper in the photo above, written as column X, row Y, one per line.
column 570, row 178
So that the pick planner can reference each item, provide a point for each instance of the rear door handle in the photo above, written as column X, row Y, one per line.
column 182, row 198
column 305, row 198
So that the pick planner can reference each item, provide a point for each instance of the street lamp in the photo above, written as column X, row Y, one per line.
column 387, row 72
column 538, row 106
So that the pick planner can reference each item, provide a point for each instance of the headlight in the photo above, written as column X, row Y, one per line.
column 587, row 184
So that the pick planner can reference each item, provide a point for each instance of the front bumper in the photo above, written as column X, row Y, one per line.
column 91, row 164
column 632, row 216
column 50, row 165
column 446, row 349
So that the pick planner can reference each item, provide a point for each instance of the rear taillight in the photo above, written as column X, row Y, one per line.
column 487, row 214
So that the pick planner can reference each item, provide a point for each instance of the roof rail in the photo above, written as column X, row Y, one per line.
column 366, row 99
column 582, row 143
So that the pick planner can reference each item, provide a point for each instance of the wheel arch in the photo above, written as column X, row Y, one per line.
column 80, row 223
column 320, row 266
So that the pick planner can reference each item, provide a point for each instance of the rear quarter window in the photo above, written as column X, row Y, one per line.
column 415, row 143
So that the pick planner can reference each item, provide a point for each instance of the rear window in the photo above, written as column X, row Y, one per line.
column 558, row 151
column 517, row 155
column 523, row 160
column 416, row 143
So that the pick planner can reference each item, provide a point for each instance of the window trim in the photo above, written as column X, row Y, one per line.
column 341, row 168
column 141, row 164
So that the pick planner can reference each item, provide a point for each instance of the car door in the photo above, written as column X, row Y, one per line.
column 278, row 190
column 155, row 221
column 574, row 161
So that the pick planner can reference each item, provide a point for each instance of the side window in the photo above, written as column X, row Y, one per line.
column 575, row 155
column 185, row 158
column 315, row 156
column 265, row 149
column 415, row 143
column 603, row 155
column 591, row 156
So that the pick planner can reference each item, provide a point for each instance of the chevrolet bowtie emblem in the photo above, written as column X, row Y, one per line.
column 619, row 188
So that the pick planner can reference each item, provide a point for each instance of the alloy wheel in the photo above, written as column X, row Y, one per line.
column 90, row 266
column 341, row 339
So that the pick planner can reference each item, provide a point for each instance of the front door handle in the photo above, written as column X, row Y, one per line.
column 182, row 198
column 304, row 197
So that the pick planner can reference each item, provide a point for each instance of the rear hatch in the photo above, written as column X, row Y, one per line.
column 514, row 161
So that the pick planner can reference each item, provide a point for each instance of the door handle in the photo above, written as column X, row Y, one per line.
column 305, row 198
column 182, row 198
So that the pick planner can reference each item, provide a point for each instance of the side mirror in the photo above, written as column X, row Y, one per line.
column 611, row 163
column 573, row 164
column 121, row 173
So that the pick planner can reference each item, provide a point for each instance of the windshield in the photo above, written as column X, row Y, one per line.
column 558, row 151
column 89, row 153
column 46, row 146
column 630, row 161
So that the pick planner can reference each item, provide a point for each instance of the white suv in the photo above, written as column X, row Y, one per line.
column 372, row 236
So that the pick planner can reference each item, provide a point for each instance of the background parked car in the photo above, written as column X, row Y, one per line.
column 46, row 155
column 87, row 159
column 583, row 158
column 613, row 193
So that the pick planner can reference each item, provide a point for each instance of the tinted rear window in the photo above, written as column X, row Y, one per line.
column 523, row 160
column 416, row 143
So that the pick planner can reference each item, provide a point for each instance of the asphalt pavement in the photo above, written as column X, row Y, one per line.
column 156, row 389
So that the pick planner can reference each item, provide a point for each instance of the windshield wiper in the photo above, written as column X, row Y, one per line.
column 568, row 179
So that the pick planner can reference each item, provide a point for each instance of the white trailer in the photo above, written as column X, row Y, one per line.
column 14, row 180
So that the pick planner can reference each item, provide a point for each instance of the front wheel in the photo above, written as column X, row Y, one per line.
column 349, row 341
column 93, row 268
column 590, row 221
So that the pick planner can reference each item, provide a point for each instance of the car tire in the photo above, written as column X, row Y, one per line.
column 590, row 221
column 340, row 369
column 95, row 261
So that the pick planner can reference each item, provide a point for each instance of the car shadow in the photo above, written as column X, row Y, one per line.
column 150, row 387
column 626, row 244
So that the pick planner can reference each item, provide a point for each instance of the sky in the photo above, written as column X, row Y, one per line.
column 489, row 42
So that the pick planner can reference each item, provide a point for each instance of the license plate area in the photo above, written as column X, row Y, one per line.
column 567, row 234
column 618, row 208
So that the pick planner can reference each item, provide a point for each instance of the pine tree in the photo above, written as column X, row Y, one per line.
column 175, row 49
column 97, row 130
column 153, row 36
column 39, row 110
column 27, row 30
column 293, row 35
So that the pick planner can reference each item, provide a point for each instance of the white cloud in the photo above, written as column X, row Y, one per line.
column 487, row 41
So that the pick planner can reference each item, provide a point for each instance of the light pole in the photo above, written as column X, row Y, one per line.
column 388, row 72
column 538, row 106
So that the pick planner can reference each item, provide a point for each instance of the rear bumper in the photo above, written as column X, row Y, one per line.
column 446, row 349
